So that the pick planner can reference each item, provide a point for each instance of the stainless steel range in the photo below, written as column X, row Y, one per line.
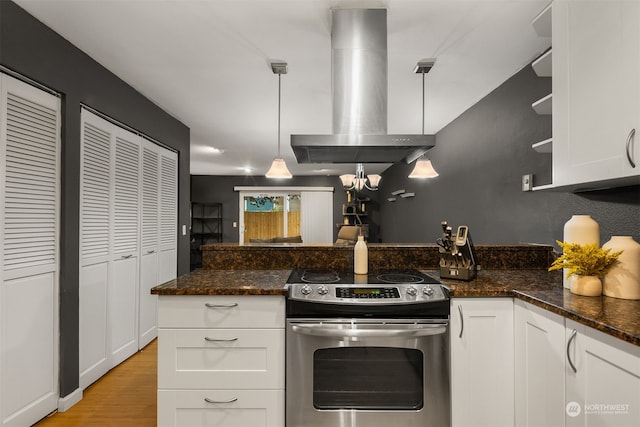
column 367, row 351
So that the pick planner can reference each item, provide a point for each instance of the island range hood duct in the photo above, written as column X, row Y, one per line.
column 359, row 84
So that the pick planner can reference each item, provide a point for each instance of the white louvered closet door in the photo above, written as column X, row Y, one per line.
column 95, row 219
column 150, row 241
column 123, row 280
column 168, row 215
column 29, row 259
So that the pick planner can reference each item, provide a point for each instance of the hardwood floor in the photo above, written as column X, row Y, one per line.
column 124, row 397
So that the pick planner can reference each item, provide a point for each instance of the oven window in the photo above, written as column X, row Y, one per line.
column 377, row 378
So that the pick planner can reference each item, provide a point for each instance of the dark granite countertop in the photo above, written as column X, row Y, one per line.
column 226, row 282
column 616, row 317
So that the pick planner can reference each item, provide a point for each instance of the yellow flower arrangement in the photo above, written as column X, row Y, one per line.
column 585, row 260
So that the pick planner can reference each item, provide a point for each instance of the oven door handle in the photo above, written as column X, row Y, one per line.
column 323, row 330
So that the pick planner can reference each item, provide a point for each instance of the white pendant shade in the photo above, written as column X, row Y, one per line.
column 278, row 169
column 423, row 169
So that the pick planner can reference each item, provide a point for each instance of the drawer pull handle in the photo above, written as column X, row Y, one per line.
column 206, row 399
column 629, row 147
column 220, row 339
column 235, row 304
column 571, row 338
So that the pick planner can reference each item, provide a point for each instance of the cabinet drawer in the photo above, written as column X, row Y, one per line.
column 221, row 358
column 221, row 311
column 255, row 408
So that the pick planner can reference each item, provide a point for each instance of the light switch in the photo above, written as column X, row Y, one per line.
column 184, row 230
column 235, row 224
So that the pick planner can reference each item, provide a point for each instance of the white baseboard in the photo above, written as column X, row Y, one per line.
column 65, row 403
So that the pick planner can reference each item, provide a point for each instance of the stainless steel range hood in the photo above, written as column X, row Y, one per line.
column 359, row 84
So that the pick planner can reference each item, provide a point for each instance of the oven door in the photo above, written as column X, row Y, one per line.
column 361, row 372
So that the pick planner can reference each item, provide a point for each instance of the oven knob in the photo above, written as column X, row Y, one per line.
column 427, row 290
column 411, row 291
column 306, row 290
column 323, row 290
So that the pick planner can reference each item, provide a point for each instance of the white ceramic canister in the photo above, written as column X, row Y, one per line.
column 360, row 257
column 580, row 229
column 623, row 280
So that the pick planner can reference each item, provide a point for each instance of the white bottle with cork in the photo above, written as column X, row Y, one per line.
column 360, row 256
column 581, row 229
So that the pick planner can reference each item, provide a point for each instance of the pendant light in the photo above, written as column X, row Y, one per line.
column 423, row 167
column 279, row 168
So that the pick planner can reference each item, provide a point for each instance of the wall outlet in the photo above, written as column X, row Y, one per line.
column 527, row 182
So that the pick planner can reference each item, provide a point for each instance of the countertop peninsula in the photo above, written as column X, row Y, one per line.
column 616, row 317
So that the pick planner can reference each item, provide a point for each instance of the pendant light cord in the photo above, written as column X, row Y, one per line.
column 279, row 75
column 423, row 102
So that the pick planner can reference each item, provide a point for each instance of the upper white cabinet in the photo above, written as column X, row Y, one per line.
column 482, row 384
column 596, row 93
column 29, row 252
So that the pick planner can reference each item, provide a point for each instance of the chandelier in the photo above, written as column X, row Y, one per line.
column 360, row 180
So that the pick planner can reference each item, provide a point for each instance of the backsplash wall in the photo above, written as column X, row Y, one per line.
column 481, row 157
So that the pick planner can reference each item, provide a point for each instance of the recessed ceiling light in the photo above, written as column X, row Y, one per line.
column 214, row 150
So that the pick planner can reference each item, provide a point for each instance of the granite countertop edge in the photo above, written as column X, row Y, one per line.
column 618, row 318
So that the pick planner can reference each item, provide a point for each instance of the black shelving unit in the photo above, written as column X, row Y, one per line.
column 355, row 212
column 206, row 228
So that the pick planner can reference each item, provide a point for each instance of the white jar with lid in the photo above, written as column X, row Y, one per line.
column 581, row 229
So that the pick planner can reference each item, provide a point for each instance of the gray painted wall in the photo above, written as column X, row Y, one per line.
column 481, row 157
column 30, row 48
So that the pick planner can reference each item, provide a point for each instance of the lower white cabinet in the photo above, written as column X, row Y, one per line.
column 482, row 382
column 221, row 361
column 568, row 374
column 539, row 366
column 602, row 380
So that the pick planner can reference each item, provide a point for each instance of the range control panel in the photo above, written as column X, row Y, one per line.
column 358, row 294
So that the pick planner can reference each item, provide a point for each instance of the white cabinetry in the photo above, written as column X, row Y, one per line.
column 539, row 366
column 568, row 374
column 596, row 93
column 482, row 382
column 128, row 241
column 602, row 380
column 221, row 361
column 29, row 255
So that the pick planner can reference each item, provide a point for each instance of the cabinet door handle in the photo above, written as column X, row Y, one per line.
column 206, row 399
column 153, row 251
column 630, row 139
column 220, row 339
column 461, row 321
column 235, row 304
column 126, row 256
column 571, row 338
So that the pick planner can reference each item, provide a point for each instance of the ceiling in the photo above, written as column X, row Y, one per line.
column 206, row 62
